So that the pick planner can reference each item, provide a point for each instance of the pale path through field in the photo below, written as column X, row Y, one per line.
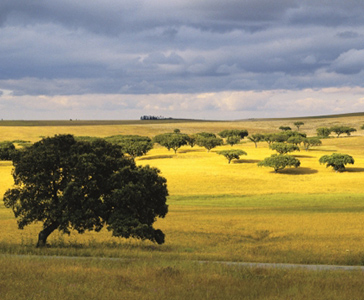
column 227, row 263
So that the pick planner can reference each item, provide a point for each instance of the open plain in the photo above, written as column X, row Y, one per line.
column 235, row 212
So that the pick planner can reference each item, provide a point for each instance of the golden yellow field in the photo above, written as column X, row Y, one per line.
column 217, row 211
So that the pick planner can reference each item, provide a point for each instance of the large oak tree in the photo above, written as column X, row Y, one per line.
column 67, row 184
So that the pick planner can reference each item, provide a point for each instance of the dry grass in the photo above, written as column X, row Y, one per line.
column 236, row 212
column 37, row 278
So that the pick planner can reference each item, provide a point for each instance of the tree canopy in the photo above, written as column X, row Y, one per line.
column 337, row 161
column 311, row 141
column 231, row 154
column 208, row 140
column 7, row 150
column 342, row 129
column 173, row 140
column 133, row 145
column 283, row 148
column 285, row 128
column 298, row 124
column 67, row 184
column 279, row 162
column 256, row 138
column 233, row 132
column 323, row 132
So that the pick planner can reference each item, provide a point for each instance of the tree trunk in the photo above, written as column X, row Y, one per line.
column 43, row 235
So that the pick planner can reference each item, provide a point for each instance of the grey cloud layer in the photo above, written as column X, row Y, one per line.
column 142, row 47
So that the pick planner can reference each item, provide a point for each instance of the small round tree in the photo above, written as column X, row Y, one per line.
column 208, row 140
column 171, row 140
column 231, row 154
column 133, row 145
column 323, row 132
column 283, row 148
column 337, row 161
column 279, row 162
column 298, row 124
column 311, row 141
column 256, row 138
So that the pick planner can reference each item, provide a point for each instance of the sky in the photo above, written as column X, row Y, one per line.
column 201, row 59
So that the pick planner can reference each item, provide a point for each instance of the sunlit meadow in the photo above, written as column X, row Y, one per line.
column 220, row 211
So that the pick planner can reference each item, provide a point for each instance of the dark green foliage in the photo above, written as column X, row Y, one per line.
column 279, row 137
column 208, row 140
column 296, row 140
column 231, row 154
column 285, row 128
column 233, row 139
column 362, row 127
column 233, row 132
column 172, row 140
column 279, row 162
column 283, row 148
column 342, row 129
column 323, row 132
column 298, row 124
column 311, row 141
column 68, row 184
column 256, row 138
column 7, row 150
column 337, row 161
column 133, row 145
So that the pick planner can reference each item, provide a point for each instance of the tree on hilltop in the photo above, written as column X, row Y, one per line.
column 67, row 184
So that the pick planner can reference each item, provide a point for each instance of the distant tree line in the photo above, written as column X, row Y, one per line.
column 145, row 117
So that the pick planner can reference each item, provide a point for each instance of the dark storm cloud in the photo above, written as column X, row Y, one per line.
column 161, row 47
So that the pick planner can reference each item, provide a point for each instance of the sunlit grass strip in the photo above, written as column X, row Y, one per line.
column 319, row 229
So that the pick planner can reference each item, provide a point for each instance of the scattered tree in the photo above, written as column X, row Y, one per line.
column 231, row 154
column 208, row 140
column 67, row 184
column 279, row 162
column 362, row 127
column 323, row 132
column 337, row 161
column 296, row 140
column 234, row 132
column 298, row 124
column 285, row 128
column 256, row 138
column 342, row 129
column 311, row 141
column 172, row 140
column 133, row 145
column 232, row 140
column 7, row 150
column 283, row 148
